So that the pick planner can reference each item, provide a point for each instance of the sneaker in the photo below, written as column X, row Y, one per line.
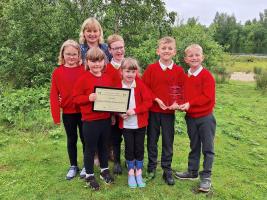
column 151, row 174
column 92, row 183
column 131, row 181
column 73, row 170
column 83, row 173
column 186, row 175
column 167, row 176
column 205, row 185
column 117, row 168
column 106, row 177
column 139, row 181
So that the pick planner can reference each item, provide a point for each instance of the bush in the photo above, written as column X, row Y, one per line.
column 261, row 80
column 27, row 108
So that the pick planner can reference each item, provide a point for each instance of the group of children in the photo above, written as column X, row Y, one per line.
column 151, row 110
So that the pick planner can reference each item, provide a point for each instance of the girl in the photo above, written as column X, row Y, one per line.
column 63, row 79
column 134, row 122
column 91, row 35
column 96, row 125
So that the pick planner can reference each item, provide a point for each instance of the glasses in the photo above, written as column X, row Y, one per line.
column 71, row 54
column 117, row 48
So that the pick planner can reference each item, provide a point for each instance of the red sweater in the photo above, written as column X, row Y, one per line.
column 159, row 82
column 83, row 88
column 62, row 82
column 143, row 102
column 200, row 93
column 114, row 74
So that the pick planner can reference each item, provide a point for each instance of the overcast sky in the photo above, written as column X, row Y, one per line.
column 205, row 10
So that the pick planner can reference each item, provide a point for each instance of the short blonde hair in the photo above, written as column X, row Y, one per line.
column 92, row 24
column 114, row 38
column 94, row 54
column 193, row 46
column 72, row 43
column 130, row 64
column 166, row 40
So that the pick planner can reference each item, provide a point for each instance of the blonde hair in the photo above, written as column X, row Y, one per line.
column 72, row 43
column 114, row 38
column 92, row 24
column 193, row 46
column 130, row 64
column 94, row 54
column 166, row 40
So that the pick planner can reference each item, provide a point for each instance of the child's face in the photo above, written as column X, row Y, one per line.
column 194, row 57
column 117, row 50
column 92, row 35
column 96, row 67
column 71, row 56
column 166, row 51
column 128, row 75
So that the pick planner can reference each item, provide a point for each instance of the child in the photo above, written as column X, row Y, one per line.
column 201, row 124
column 116, row 48
column 63, row 79
column 160, row 78
column 134, row 122
column 96, row 125
column 91, row 35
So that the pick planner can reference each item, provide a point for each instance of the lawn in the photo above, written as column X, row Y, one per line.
column 34, row 164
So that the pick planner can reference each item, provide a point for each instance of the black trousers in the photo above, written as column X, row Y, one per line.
column 166, row 123
column 96, row 135
column 201, row 132
column 134, row 143
column 116, row 137
column 71, row 123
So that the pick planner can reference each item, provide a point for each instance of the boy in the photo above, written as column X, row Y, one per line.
column 160, row 77
column 201, row 124
column 116, row 49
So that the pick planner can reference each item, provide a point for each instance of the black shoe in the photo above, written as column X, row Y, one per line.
column 186, row 175
column 92, row 183
column 117, row 168
column 167, row 176
column 151, row 174
column 106, row 177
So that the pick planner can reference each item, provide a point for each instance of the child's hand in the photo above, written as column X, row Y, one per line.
column 113, row 120
column 130, row 112
column 185, row 106
column 174, row 106
column 124, row 116
column 161, row 104
column 92, row 97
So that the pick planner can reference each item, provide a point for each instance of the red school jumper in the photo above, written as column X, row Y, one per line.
column 200, row 93
column 159, row 82
column 62, row 82
column 83, row 88
column 114, row 74
column 143, row 102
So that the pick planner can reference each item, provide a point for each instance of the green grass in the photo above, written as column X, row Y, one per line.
column 33, row 164
column 246, row 64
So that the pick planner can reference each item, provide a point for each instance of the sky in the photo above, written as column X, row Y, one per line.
column 205, row 10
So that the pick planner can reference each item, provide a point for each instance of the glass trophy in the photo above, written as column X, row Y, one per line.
column 176, row 94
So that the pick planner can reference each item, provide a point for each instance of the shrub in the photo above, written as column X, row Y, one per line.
column 26, row 108
column 261, row 80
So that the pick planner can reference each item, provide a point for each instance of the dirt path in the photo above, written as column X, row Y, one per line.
column 242, row 76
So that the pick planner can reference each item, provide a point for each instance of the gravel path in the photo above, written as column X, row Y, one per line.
column 242, row 76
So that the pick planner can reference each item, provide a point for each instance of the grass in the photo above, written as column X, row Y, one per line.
column 34, row 164
column 246, row 64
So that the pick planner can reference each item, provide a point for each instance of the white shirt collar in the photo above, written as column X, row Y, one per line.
column 115, row 64
column 195, row 72
column 133, row 85
column 164, row 67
